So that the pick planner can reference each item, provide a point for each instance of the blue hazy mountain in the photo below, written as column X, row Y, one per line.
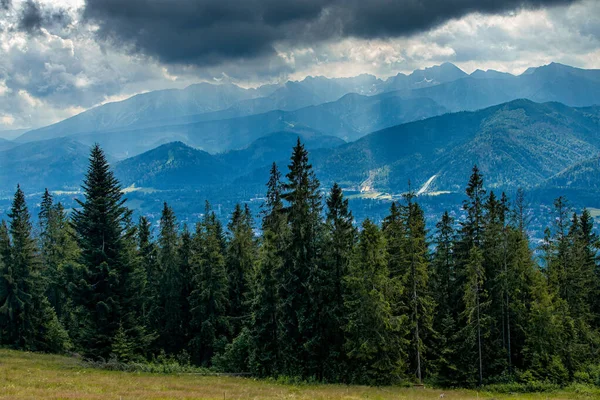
column 55, row 163
column 218, row 118
column 227, row 101
column 214, row 136
column 421, row 78
column 145, row 107
column 519, row 143
column 178, row 166
column 6, row 144
column 554, row 82
column 274, row 147
column 348, row 118
column 490, row 74
column 172, row 165
column 10, row 134
column 153, row 108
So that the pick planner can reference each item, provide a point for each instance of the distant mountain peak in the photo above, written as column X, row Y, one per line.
column 489, row 73
column 552, row 67
column 448, row 65
column 175, row 146
column 445, row 72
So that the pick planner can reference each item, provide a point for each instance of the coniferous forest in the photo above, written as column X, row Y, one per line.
column 308, row 294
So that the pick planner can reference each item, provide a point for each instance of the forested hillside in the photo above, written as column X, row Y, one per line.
column 307, row 294
column 516, row 144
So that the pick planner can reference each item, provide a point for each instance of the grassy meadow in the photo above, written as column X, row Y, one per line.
column 35, row 376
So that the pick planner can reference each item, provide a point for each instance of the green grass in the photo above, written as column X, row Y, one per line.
column 36, row 376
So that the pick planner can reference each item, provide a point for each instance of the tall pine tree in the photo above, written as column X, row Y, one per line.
column 265, row 357
column 328, row 287
column 29, row 320
column 240, row 258
column 375, row 337
column 169, row 285
column 298, row 322
column 209, row 297
column 101, row 227
column 416, row 281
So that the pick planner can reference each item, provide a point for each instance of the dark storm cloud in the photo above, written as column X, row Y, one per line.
column 33, row 17
column 208, row 32
column 200, row 32
column 391, row 18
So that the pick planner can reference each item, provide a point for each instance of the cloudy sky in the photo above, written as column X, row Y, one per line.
column 60, row 57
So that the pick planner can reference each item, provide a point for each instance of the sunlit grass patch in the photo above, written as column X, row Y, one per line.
column 38, row 376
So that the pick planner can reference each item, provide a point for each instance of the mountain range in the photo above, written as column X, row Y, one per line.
column 539, row 130
column 520, row 143
column 515, row 144
column 60, row 163
column 212, row 117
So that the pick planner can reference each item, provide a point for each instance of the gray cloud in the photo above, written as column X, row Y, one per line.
column 33, row 17
column 56, row 69
column 209, row 32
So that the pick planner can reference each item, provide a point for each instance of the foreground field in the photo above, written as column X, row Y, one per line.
column 34, row 376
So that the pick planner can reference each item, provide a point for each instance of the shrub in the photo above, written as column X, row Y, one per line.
column 236, row 355
column 529, row 387
column 162, row 364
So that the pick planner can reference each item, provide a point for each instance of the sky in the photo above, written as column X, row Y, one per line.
column 61, row 57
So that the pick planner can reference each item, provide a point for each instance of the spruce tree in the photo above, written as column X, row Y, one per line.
column 274, row 217
column 416, row 281
column 46, row 206
column 31, row 322
column 100, row 225
column 473, row 317
column 7, row 290
column 495, row 256
column 58, row 254
column 375, row 337
column 446, row 297
column 556, row 249
column 471, row 278
column 132, row 339
column 394, row 229
column 148, row 256
column 328, row 286
column 546, row 332
column 26, row 274
column 472, row 227
column 186, row 257
column 580, row 274
column 241, row 254
column 520, row 276
column 570, row 276
column 4, row 243
column 264, row 357
column 298, row 323
column 169, row 287
column 208, row 299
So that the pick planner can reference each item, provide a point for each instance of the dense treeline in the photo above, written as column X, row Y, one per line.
column 312, row 296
